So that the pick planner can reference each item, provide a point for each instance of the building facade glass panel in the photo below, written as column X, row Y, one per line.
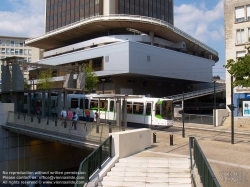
column 63, row 12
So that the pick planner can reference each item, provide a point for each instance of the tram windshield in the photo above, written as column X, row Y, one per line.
column 164, row 110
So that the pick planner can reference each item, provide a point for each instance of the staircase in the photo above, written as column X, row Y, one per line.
column 149, row 171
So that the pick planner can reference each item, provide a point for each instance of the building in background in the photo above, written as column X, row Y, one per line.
column 132, row 45
column 237, row 36
column 14, row 46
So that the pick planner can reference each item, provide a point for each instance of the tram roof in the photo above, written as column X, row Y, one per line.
column 117, row 96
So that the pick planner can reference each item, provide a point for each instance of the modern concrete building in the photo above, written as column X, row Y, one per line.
column 14, row 46
column 132, row 46
column 237, row 36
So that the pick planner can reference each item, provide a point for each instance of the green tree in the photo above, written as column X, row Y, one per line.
column 91, row 79
column 26, row 85
column 44, row 79
column 240, row 70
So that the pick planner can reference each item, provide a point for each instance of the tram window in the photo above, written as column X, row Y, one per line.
column 103, row 105
column 111, row 106
column 53, row 103
column 86, row 103
column 167, row 110
column 157, row 109
column 129, row 107
column 74, row 103
column 138, row 108
column 148, row 109
column 93, row 104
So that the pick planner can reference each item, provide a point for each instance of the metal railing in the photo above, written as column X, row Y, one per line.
column 94, row 162
column 125, row 17
column 199, row 119
column 85, row 131
column 206, row 173
column 194, row 94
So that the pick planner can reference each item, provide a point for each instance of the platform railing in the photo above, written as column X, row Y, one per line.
column 94, row 162
column 199, row 119
column 205, row 171
column 87, row 131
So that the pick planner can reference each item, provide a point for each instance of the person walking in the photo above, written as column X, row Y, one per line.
column 38, row 109
column 70, row 114
column 64, row 115
column 87, row 113
column 78, row 111
column 75, row 118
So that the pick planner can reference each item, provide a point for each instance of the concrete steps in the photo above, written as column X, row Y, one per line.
column 147, row 172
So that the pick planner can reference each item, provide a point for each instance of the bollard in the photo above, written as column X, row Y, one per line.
column 171, row 139
column 154, row 137
column 97, row 128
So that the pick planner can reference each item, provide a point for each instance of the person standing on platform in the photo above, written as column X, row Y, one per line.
column 64, row 115
column 38, row 109
column 70, row 114
column 78, row 111
column 87, row 113
column 75, row 118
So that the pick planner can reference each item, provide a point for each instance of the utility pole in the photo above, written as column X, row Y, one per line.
column 183, row 128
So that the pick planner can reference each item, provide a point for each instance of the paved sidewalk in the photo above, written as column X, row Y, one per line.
column 230, row 163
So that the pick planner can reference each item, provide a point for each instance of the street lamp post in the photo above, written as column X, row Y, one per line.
column 214, row 104
column 103, row 86
column 183, row 128
column 232, row 110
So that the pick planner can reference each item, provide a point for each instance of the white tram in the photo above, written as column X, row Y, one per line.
column 145, row 111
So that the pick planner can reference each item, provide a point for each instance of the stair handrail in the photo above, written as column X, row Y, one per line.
column 205, row 171
column 93, row 162
column 196, row 93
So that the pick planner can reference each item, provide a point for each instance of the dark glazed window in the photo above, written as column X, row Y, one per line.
column 160, row 9
column 132, row 7
column 121, row 7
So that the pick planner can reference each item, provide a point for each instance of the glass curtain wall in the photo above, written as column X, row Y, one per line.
column 64, row 12
column 160, row 9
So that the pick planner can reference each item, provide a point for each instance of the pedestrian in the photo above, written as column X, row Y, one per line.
column 75, row 118
column 70, row 114
column 78, row 111
column 64, row 115
column 87, row 113
column 38, row 109
column 96, row 116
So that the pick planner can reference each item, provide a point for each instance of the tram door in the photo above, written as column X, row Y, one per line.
column 148, row 116
column 84, row 104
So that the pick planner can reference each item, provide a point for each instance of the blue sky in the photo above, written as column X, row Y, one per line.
column 202, row 19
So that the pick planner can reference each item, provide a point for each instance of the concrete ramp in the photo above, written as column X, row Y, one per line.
column 149, row 171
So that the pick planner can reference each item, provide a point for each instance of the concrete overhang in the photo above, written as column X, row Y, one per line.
column 97, row 26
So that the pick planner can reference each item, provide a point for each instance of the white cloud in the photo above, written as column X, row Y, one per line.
column 26, row 19
column 200, row 22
